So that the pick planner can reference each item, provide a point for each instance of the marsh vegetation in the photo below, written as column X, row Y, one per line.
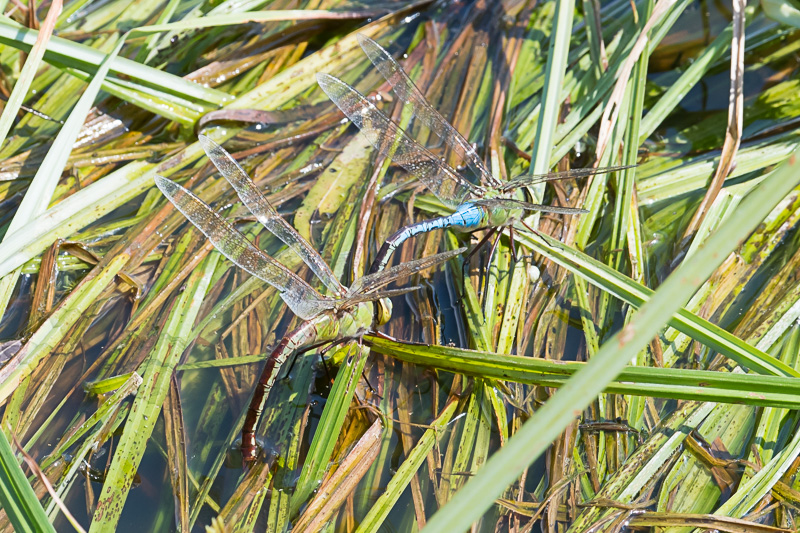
column 631, row 368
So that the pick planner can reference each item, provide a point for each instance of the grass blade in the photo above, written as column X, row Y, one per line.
column 557, row 59
column 706, row 385
column 343, row 482
column 85, row 58
column 548, row 422
column 150, row 397
column 28, row 72
column 330, row 423
column 637, row 295
column 380, row 510
column 40, row 191
column 17, row 498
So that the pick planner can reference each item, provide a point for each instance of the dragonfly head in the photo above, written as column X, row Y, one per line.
column 383, row 311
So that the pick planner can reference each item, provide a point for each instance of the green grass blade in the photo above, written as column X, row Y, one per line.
column 17, row 498
column 723, row 387
column 769, row 435
column 751, row 493
column 782, row 11
column 150, row 397
column 40, row 191
column 674, row 94
column 380, row 509
column 146, row 52
column 330, row 424
column 157, row 102
column 540, row 430
column 557, row 59
column 86, row 58
column 28, row 72
column 637, row 295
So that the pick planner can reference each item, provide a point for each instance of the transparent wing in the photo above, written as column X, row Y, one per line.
column 267, row 215
column 301, row 298
column 393, row 142
column 510, row 203
column 405, row 89
column 362, row 287
column 391, row 293
column 533, row 179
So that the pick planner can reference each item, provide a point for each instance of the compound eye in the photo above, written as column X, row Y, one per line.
column 383, row 311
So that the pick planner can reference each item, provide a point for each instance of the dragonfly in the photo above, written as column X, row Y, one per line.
column 343, row 314
column 491, row 205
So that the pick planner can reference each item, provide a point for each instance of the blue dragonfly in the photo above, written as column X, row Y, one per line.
column 343, row 314
column 491, row 205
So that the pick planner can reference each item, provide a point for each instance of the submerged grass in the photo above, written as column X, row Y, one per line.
column 634, row 366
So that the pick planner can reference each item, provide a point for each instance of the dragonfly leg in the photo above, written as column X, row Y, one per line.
column 328, row 374
column 360, row 342
column 303, row 351
column 511, row 243
column 322, row 354
column 337, row 342
column 487, row 272
column 527, row 227
column 330, row 345
column 372, row 389
column 465, row 264
column 380, row 335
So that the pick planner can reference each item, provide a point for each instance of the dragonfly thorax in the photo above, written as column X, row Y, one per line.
column 355, row 321
column 477, row 217
column 502, row 216
column 497, row 217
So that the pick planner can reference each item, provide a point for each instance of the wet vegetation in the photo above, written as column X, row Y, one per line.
column 632, row 368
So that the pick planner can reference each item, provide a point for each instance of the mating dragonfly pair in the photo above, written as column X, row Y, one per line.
column 349, row 313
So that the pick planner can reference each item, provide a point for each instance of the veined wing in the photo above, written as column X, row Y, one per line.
column 533, row 179
column 267, row 215
column 378, row 295
column 391, row 293
column 301, row 298
column 510, row 203
column 405, row 89
column 391, row 141
column 363, row 288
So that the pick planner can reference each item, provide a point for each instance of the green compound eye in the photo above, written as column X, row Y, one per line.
column 383, row 311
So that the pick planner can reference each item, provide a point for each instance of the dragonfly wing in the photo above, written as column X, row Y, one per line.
column 533, row 179
column 267, row 215
column 510, row 203
column 301, row 298
column 391, row 141
column 379, row 295
column 377, row 280
column 405, row 89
